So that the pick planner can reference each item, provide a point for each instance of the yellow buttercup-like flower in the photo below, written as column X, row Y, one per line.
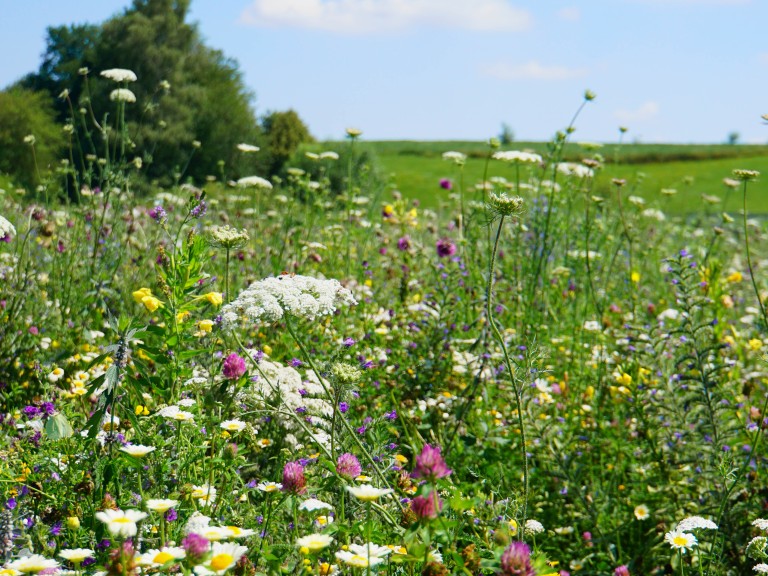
column 140, row 294
column 215, row 298
column 151, row 303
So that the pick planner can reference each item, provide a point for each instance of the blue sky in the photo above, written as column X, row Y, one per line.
column 669, row 70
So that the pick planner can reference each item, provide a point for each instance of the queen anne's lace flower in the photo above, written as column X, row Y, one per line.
column 270, row 299
column 518, row 157
column 694, row 522
column 255, row 182
column 122, row 95
column 119, row 75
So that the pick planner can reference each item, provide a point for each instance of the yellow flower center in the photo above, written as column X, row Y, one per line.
column 221, row 561
column 122, row 520
column 162, row 557
column 680, row 541
column 359, row 561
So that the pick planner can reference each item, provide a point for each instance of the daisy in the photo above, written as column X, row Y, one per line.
column 237, row 532
column 270, row 486
column 175, row 413
column 76, row 555
column 312, row 504
column 204, row 493
column 137, row 450
column 224, row 556
column 121, row 522
column 215, row 533
column 642, row 512
column 161, row 505
column 357, row 561
column 160, row 557
column 314, row 542
column 233, row 425
column 368, row 493
column 33, row 564
column 680, row 540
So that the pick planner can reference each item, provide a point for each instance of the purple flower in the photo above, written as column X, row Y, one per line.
column 293, row 478
column 11, row 503
column 391, row 415
column 49, row 408
column 199, row 210
column 446, row 184
column 234, row 367
column 196, row 547
column 622, row 570
column 404, row 243
column 343, row 407
column 171, row 515
column 445, row 248
column 56, row 529
column 31, row 411
column 158, row 214
column 430, row 464
column 349, row 342
column 516, row 560
column 427, row 508
column 348, row 466
column 296, row 363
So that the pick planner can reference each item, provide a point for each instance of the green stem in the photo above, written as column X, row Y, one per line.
column 749, row 258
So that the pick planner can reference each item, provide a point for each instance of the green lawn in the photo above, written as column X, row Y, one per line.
column 693, row 170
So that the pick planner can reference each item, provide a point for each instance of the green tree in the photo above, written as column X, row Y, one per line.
column 186, row 92
column 285, row 132
column 25, row 113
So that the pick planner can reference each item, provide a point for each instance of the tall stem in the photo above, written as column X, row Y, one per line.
column 510, row 370
column 749, row 257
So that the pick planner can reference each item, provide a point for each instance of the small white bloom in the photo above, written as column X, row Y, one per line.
column 312, row 504
column 160, row 557
column 255, row 182
column 121, row 522
column 533, row 527
column 368, row 493
column 32, row 564
column 6, row 228
column 77, row 555
column 137, row 450
column 517, row 157
column 455, row 157
column 233, row 425
column 161, row 505
column 314, row 542
column 694, row 522
column 680, row 540
column 205, row 493
column 248, row 148
column 270, row 486
column 119, row 75
column 122, row 95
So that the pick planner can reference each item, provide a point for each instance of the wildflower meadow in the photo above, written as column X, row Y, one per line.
column 544, row 372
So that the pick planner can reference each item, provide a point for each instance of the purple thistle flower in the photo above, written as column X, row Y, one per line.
column 516, row 560
column 234, row 367
column 445, row 248
column 404, row 243
column 348, row 466
column 446, row 184
column 293, row 478
column 622, row 570
column 430, row 464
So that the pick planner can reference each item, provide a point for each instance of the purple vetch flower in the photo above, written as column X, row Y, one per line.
column 516, row 560
column 293, row 478
column 343, row 407
column 199, row 210
column 348, row 466
column 158, row 214
column 391, row 415
column 234, row 367
column 430, row 464
column 296, row 363
column 171, row 515
column 348, row 342
column 445, row 248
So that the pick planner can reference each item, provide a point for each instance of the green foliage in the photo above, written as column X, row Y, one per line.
column 285, row 132
column 24, row 113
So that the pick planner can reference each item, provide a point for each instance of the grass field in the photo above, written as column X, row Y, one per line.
column 693, row 170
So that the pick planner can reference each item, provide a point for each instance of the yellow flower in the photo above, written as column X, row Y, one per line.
column 215, row 298
column 635, row 277
column 205, row 325
column 755, row 344
column 140, row 294
column 267, row 350
column 624, row 379
column 181, row 316
column 141, row 410
column 151, row 303
column 735, row 277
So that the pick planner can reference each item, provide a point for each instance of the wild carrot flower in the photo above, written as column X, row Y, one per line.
column 255, row 182
column 122, row 95
column 119, row 75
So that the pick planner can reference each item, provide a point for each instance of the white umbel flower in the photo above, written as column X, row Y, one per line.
column 455, row 157
column 255, row 182
column 270, row 299
column 575, row 170
column 517, row 157
column 247, row 148
column 6, row 228
column 122, row 95
column 119, row 75
column 694, row 522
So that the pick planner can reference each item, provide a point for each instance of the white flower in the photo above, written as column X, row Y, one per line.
column 160, row 557
column 33, row 563
column 592, row 326
column 175, row 413
column 329, row 155
column 255, row 182
column 363, row 556
column 762, row 568
column 56, row 374
column 233, row 425
column 576, row 170
column 215, row 533
column 654, row 214
column 6, row 228
column 76, row 555
column 636, row 200
column 761, row 524
column 122, row 95
column 237, row 532
column 455, row 157
column 518, row 157
column 694, row 522
column 314, row 542
column 161, row 505
column 205, row 493
column 247, row 148
column 533, row 527
column 137, row 450
column 312, row 504
column 270, row 299
column 668, row 314
column 224, row 556
column 270, row 486
column 371, row 549
column 642, row 512
column 368, row 493
column 119, row 75
column 680, row 540
column 121, row 522
column 197, row 523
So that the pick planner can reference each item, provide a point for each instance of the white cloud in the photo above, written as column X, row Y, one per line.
column 646, row 111
column 372, row 16
column 532, row 70
column 570, row 13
